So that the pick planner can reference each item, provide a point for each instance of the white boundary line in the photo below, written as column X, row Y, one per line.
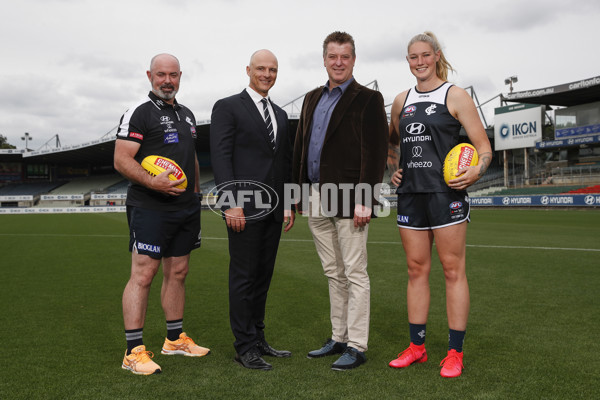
column 484, row 246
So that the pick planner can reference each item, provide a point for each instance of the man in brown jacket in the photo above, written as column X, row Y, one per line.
column 341, row 151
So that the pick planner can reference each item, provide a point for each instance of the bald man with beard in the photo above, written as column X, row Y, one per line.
column 251, row 154
column 164, row 220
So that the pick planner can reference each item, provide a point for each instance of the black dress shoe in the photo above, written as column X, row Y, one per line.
column 266, row 350
column 252, row 360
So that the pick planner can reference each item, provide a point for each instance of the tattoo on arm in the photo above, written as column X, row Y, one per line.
column 484, row 161
column 393, row 160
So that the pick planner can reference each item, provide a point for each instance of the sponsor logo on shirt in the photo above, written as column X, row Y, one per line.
column 416, row 128
column 136, row 135
column 417, row 151
column 424, row 138
column 419, row 164
column 166, row 120
column 409, row 111
column 171, row 137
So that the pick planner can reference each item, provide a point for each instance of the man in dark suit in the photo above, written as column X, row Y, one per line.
column 341, row 150
column 251, row 158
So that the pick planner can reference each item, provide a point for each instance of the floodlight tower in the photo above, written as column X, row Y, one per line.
column 510, row 80
column 26, row 138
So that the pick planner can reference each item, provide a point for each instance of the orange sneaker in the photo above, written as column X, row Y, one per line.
column 139, row 362
column 452, row 364
column 414, row 354
column 185, row 346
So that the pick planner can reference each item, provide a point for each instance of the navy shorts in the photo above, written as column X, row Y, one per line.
column 424, row 211
column 161, row 234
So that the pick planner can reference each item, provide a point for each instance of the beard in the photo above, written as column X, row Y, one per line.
column 166, row 95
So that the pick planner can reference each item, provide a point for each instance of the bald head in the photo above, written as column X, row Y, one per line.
column 163, row 57
column 262, row 71
column 259, row 54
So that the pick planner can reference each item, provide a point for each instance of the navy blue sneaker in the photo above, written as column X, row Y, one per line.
column 351, row 358
column 329, row 348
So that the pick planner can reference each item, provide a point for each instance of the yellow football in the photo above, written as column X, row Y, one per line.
column 461, row 155
column 158, row 164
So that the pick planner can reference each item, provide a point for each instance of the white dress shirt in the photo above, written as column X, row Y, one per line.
column 257, row 99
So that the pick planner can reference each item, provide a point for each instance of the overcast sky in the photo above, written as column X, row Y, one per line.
column 72, row 67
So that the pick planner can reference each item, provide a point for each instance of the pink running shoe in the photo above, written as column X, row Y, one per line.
column 414, row 354
column 452, row 364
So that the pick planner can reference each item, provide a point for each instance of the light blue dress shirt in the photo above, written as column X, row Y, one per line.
column 320, row 122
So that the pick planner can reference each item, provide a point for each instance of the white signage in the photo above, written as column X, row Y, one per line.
column 62, row 197
column 518, row 126
column 112, row 196
column 16, row 198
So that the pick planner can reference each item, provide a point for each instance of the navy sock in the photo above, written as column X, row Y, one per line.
column 456, row 340
column 134, row 338
column 417, row 333
column 174, row 329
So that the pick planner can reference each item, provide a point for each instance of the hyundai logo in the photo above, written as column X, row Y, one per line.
column 164, row 118
column 416, row 128
column 589, row 200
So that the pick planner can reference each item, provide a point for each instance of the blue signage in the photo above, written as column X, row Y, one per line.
column 576, row 141
column 577, row 131
column 577, row 200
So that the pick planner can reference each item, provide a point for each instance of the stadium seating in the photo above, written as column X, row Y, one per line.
column 120, row 187
column 29, row 189
column 536, row 190
column 78, row 191
column 586, row 190
column 87, row 185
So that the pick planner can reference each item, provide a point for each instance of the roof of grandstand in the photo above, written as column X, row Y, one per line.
column 100, row 151
column 567, row 94
column 96, row 152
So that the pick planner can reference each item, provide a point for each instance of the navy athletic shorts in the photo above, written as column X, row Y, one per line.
column 161, row 234
column 424, row 211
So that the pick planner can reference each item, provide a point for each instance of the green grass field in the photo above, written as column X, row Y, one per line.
column 533, row 331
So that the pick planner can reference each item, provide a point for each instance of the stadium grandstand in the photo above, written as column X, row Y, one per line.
column 565, row 161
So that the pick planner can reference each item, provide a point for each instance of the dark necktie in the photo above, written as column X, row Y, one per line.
column 269, row 123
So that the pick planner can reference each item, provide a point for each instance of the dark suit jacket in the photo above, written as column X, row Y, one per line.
column 355, row 146
column 240, row 150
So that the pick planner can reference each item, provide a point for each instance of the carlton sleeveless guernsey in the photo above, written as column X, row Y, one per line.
column 427, row 133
